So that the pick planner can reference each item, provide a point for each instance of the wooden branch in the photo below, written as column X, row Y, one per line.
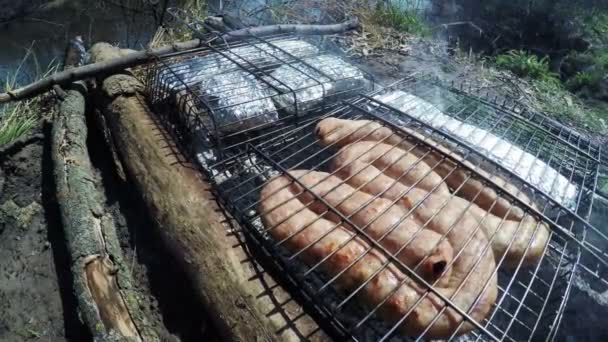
column 82, row 221
column 134, row 58
column 244, row 303
column 459, row 23
column 303, row 30
column 102, row 285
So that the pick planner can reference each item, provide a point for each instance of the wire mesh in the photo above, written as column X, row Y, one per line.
column 547, row 156
column 528, row 300
column 226, row 91
column 448, row 261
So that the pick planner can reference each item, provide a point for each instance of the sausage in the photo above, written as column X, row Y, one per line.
column 284, row 215
column 362, row 174
column 384, row 221
column 521, row 241
column 340, row 132
column 392, row 160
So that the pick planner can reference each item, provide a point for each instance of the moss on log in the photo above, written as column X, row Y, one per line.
column 101, row 281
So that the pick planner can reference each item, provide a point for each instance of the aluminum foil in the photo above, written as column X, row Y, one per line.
column 307, row 87
column 238, row 102
column 198, row 68
column 533, row 170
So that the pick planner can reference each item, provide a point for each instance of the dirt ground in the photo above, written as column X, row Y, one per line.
column 36, row 299
column 35, row 295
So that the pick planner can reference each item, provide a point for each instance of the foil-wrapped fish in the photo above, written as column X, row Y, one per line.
column 234, row 102
column 308, row 84
column 533, row 170
column 193, row 70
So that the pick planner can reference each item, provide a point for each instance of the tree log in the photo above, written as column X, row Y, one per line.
column 131, row 59
column 244, row 303
column 107, row 301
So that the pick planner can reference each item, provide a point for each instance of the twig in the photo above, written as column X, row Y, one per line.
column 457, row 23
column 144, row 56
column 61, row 94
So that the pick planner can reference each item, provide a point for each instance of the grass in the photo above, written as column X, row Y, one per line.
column 554, row 98
column 396, row 15
column 525, row 64
column 594, row 23
column 540, row 90
column 179, row 33
column 596, row 62
column 584, row 79
column 18, row 118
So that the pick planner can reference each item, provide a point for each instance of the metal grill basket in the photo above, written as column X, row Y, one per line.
column 247, row 112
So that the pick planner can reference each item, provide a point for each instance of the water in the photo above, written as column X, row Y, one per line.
column 47, row 33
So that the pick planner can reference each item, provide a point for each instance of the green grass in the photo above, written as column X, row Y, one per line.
column 555, row 99
column 542, row 90
column 16, row 121
column 525, row 64
column 584, row 79
column 395, row 15
column 593, row 23
column 18, row 118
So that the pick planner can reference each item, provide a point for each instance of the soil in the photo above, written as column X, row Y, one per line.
column 36, row 301
column 36, row 297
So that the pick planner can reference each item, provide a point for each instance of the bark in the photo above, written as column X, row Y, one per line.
column 133, row 58
column 107, row 301
column 244, row 303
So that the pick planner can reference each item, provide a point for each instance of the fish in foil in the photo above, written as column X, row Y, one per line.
column 198, row 68
column 234, row 101
column 533, row 170
column 308, row 84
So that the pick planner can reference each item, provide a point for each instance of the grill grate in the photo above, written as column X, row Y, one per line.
column 480, row 124
column 537, row 120
column 229, row 91
column 530, row 299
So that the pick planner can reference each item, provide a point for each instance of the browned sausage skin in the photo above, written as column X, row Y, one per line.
column 523, row 240
column 383, row 221
column 286, row 215
column 340, row 132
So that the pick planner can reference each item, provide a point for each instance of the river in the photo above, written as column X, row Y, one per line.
column 48, row 31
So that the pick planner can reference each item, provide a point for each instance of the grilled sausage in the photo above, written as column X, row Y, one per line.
column 390, row 160
column 383, row 221
column 463, row 232
column 360, row 265
column 512, row 237
column 339, row 132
